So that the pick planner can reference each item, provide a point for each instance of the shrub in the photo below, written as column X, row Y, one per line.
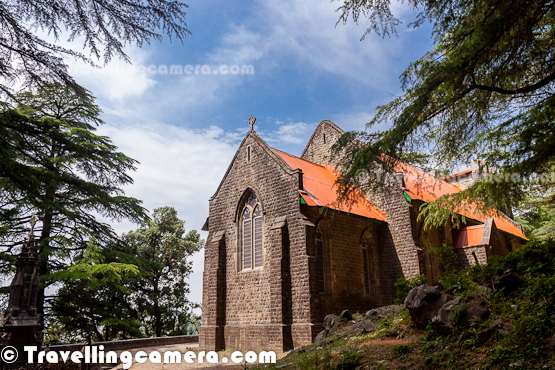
column 401, row 350
column 350, row 360
column 445, row 255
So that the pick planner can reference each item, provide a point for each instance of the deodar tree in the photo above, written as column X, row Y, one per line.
column 485, row 91
column 52, row 163
column 31, row 31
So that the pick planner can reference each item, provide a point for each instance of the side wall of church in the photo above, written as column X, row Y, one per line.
column 343, row 234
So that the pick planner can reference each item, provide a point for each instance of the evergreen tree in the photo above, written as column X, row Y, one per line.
column 161, row 294
column 104, row 26
column 52, row 163
column 93, row 303
column 485, row 91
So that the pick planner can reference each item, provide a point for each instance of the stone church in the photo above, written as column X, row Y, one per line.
column 281, row 253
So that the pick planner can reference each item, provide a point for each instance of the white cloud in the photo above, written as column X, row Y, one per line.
column 116, row 81
column 178, row 167
column 289, row 133
column 306, row 32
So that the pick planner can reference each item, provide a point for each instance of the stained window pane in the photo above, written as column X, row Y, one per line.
column 258, row 260
column 320, row 262
column 247, row 239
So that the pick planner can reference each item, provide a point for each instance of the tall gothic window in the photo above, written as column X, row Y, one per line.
column 370, row 262
column 251, row 228
column 320, row 276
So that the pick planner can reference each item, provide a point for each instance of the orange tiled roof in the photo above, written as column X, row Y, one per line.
column 425, row 187
column 320, row 189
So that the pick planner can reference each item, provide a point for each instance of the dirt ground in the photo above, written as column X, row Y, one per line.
column 182, row 348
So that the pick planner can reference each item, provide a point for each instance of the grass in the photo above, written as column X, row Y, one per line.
column 522, row 337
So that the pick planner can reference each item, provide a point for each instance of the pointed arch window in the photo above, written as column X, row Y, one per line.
column 320, row 275
column 251, row 228
column 322, row 260
column 370, row 262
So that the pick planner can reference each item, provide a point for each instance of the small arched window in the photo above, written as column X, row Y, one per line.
column 251, row 228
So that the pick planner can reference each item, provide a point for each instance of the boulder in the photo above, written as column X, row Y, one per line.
column 446, row 317
column 371, row 313
column 368, row 326
column 321, row 335
column 329, row 321
column 346, row 315
column 423, row 303
column 507, row 280
column 477, row 308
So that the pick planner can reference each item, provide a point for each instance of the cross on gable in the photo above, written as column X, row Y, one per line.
column 252, row 121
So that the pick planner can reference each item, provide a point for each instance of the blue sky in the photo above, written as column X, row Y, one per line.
column 185, row 129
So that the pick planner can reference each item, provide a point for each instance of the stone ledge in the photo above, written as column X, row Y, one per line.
column 119, row 345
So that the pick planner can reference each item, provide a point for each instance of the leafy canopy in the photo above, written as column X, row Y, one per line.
column 52, row 163
column 163, row 249
column 485, row 91
column 104, row 27
column 94, row 299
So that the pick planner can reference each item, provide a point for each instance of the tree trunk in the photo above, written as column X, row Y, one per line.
column 157, row 313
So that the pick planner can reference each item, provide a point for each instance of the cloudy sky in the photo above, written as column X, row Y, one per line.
column 184, row 129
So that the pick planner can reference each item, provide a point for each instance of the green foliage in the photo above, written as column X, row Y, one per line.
column 132, row 288
column 106, row 27
column 445, row 255
column 537, row 219
column 52, row 163
column 349, row 360
column 401, row 350
column 485, row 91
column 93, row 302
column 162, row 249
column 442, row 211
column 529, row 309
column 404, row 285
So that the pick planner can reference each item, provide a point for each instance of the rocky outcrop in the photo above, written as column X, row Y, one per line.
column 428, row 304
column 346, row 315
column 424, row 302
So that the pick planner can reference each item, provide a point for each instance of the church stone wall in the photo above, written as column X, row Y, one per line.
column 347, row 287
column 247, row 313
column 318, row 149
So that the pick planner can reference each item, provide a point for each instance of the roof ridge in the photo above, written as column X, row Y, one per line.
column 291, row 155
column 325, row 121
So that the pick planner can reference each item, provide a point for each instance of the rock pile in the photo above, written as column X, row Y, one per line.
column 362, row 324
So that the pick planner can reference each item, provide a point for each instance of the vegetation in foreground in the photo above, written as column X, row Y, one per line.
column 519, row 332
